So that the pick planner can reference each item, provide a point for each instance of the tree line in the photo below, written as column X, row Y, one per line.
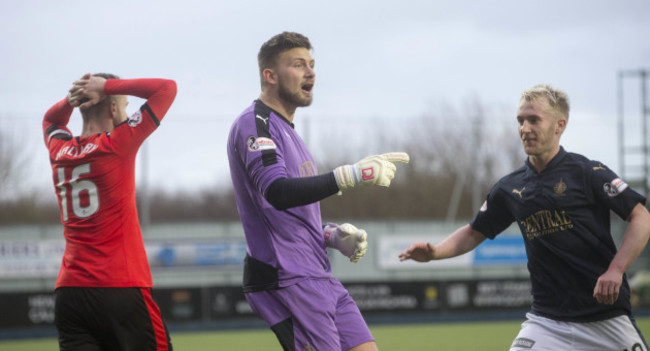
column 456, row 155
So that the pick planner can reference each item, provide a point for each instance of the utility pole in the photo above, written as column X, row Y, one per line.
column 640, row 149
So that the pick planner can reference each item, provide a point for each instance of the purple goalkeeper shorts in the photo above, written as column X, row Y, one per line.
column 314, row 314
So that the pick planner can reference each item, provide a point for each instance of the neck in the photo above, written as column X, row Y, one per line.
column 273, row 101
column 541, row 161
column 96, row 127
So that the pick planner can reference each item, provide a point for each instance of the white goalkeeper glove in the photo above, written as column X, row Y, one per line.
column 348, row 239
column 372, row 170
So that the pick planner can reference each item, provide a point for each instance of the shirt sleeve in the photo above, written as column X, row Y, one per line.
column 56, row 120
column 263, row 160
column 612, row 191
column 285, row 193
column 160, row 94
column 494, row 216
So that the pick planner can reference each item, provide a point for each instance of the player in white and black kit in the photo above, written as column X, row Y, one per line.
column 561, row 202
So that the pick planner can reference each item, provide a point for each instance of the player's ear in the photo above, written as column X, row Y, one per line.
column 561, row 125
column 112, row 108
column 269, row 76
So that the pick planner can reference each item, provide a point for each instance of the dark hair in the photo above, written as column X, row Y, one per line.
column 284, row 41
column 106, row 75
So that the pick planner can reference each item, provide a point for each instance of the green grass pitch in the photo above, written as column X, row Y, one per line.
column 457, row 336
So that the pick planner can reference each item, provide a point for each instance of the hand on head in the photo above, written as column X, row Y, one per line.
column 87, row 91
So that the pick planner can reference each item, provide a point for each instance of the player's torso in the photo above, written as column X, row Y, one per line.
column 566, row 233
column 91, row 178
column 297, row 158
column 263, row 146
column 547, row 202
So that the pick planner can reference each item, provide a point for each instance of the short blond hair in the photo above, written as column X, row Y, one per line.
column 556, row 98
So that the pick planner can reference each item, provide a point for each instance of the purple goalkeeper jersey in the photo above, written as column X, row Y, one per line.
column 285, row 246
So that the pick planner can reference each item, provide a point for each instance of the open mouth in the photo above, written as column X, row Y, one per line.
column 307, row 88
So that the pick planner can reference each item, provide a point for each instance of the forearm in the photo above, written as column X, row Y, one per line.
column 286, row 193
column 463, row 240
column 635, row 240
column 160, row 93
column 59, row 114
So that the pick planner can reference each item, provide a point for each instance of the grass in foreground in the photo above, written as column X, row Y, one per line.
column 466, row 336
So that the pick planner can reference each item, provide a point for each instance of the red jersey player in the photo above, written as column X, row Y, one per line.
column 103, row 291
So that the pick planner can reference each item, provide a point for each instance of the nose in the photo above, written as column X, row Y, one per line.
column 524, row 127
column 310, row 72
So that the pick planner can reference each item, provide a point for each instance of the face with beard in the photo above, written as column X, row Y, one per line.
column 295, row 77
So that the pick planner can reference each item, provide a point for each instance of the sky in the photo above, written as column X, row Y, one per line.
column 378, row 60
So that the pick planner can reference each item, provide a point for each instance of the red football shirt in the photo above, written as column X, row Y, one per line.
column 94, row 181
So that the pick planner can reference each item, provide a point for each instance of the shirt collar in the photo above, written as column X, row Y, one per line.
column 258, row 101
column 554, row 161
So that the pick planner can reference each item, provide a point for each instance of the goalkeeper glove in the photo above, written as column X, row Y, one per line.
column 348, row 239
column 372, row 170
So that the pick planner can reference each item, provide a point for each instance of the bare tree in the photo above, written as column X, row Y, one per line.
column 456, row 155
column 13, row 161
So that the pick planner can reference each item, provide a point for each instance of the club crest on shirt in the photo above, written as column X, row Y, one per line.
column 135, row 119
column 260, row 144
column 560, row 188
column 614, row 187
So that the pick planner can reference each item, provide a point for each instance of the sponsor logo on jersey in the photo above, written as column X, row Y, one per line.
column 135, row 119
column 518, row 192
column 560, row 188
column 523, row 342
column 614, row 187
column 260, row 144
column 73, row 151
column 545, row 222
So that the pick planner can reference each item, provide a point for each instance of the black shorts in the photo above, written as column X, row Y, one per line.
column 94, row 319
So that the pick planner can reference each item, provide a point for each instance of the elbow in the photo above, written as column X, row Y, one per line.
column 274, row 196
column 171, row 87
column 276, row 203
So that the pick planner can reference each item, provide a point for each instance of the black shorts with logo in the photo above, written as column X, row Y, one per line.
column 91, row 319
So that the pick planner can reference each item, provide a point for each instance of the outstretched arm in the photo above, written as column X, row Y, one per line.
column 463, row 240
column 286, row 193
column 634, row 241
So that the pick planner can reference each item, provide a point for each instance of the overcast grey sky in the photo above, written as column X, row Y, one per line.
column 374, row 59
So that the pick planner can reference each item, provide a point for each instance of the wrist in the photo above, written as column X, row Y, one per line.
column 328, row 233
column 347, row 176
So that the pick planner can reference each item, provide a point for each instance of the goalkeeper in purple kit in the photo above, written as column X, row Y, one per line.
column 287, row 275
